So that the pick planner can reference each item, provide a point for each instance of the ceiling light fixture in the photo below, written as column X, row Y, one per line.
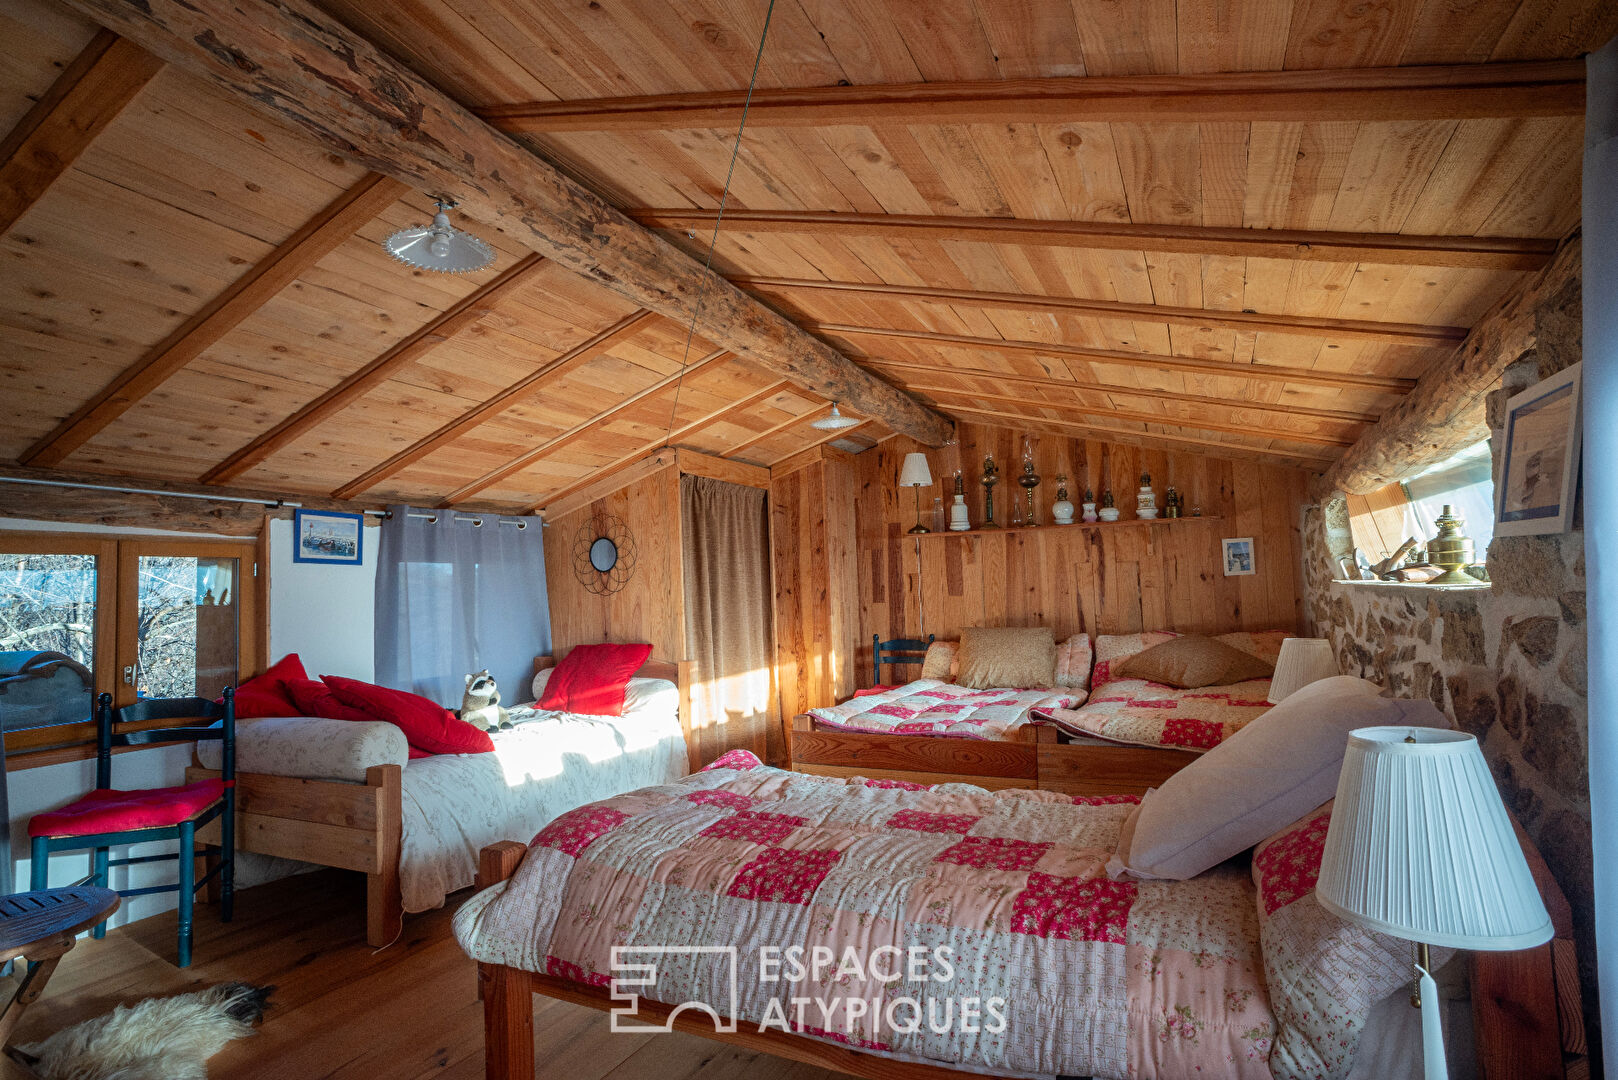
column 440, row 247
column 835, row 422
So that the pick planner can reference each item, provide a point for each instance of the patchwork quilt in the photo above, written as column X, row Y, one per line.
column 945, row 925
column 1146, row 713
column 932, row 707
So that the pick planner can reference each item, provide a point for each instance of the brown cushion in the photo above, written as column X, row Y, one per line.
column 1191, row 661
column 941, row 661
column 1007, row 656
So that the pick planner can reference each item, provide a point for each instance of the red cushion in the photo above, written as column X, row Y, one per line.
column 868, row 691
column 427, row 725
column 266, row 694
column 592, row 679
column 124, row 811
column 315, row 698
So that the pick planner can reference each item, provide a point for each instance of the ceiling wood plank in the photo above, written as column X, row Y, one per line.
column 776, row 429
column 452, row 322
column 604, row 482
column 923, row 386
column 84, row 99
column 318, row 238
column 1456, row 92
column 296, row 62
column 1475, row 252
column 1111, row 434
column 574, row 433
column 830, row 436
column 1150, row 361
column 1312, row 326
column 560, row 367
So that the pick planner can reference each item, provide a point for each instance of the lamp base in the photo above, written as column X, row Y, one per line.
column 918, row 530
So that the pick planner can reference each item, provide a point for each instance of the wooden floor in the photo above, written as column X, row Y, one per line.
column 343, row 1010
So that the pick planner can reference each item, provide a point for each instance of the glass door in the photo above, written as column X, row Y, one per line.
column 56, row 617
column 185, row 635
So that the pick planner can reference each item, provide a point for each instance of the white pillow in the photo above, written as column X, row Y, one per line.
column 1260, row 780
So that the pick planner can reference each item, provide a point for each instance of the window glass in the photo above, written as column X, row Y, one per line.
column 187, row 630
column 1465, row 483
column 47, row 639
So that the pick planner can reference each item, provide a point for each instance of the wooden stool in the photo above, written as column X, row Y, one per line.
column 40, row 927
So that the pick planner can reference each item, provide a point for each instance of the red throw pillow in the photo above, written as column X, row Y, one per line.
column 427, row 725
column 266, row 694
column 315, row 698
column 592, row 679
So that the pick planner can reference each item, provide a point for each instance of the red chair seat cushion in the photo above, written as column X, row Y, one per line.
column 125, row 811
column 592, row 679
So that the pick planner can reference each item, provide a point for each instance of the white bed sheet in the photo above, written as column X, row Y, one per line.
column 550, row 763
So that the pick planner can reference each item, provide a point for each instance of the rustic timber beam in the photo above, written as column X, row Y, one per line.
column 573, row 434
column 1475, row 252
column 557, row 368
column 459, row 317
column 910, row 373
column 294, row 61
column 1453, row 92
column 1196, row 424
column 91, row 91
column 317, row 238
column 1445, row 413
column 1308, row 325
column 1149, row 361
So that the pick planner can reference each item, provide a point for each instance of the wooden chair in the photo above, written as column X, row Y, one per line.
column 896, row 651
column 107, row 816
column 40, row 928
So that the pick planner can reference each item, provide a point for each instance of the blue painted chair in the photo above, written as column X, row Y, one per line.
column 897, row 651
column 108, row 816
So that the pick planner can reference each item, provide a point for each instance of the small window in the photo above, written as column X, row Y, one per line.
column 1384, row 519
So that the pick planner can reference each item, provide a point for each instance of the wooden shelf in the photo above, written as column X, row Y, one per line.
column 1010, row 530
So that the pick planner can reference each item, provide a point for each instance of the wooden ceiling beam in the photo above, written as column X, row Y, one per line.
column 1150, row 361
column 1201, row 318
column 1450, row 92
column 911, row 384
column 574, row 433
column 1474, row 252
column 1196, row 424
column 296, row 62
column 318, row 238
column 89, row 93
column 560, row 367
column 463, row 314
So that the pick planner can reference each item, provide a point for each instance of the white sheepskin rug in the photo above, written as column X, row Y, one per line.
column 158, row 1039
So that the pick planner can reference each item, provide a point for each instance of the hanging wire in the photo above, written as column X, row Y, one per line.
column 724, row 196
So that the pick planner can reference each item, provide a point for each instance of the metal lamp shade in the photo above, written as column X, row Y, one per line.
column 1302, row 661
column 835, row 421
column 1420, row 846
column 915, row 473
column 439, row 247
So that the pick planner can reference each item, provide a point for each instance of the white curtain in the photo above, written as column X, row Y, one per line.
column 457, row 593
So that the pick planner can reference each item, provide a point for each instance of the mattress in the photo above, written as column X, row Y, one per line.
column 548, row 764
column 932, row 707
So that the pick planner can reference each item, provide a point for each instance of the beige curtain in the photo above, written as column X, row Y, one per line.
column 726, row 556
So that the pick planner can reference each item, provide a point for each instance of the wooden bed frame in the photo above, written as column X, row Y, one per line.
column 355, row 826
column 1526, row 1006
column 1038, row 759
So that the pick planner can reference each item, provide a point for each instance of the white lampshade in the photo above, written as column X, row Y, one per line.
column 1420, row 846
column 1303, row 660
column 915, row 472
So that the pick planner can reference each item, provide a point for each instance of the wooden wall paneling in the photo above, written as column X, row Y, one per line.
column 816, row 598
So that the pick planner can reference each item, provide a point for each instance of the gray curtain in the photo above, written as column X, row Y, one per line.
column 726, row 563
column 454, row 596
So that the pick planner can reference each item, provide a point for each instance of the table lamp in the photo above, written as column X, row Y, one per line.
column 1303, row 660
column 1420, row 847
column 915, row 474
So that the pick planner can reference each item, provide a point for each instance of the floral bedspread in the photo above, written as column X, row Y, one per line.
column 946, row 925
column 932, row 707
column 1146, row 713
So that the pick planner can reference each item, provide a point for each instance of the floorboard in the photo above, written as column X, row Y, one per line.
column 344, row 1010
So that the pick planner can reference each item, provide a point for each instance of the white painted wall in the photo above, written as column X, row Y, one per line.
column 323, row 613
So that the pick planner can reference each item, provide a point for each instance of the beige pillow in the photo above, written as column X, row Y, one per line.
column 1191, row 661
column 1007, row 656
column 1261, row 779
column 941, row 662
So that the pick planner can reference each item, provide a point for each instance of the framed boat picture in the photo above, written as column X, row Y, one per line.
column 327, row 536
column 1238, row 552
column 1539, row 462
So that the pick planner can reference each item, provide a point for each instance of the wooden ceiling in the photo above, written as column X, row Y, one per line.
column 1029, row 213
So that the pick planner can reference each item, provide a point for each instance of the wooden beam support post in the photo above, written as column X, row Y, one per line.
column 318, row 238
column 84, row 99
column 1445, row 413
column 291, row 59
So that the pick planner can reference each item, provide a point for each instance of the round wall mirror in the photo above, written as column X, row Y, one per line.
column 603, row 554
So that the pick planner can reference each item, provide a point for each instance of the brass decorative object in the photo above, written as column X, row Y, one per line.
column 1029, row 481
column 1450, row 551
column 991, row 477
column 1171, row 504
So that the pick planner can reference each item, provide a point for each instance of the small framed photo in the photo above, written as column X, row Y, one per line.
column 1238, row 556
column 326, row 536
column 1539, row 467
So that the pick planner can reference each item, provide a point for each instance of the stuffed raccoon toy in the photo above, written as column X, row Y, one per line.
column 480, row 706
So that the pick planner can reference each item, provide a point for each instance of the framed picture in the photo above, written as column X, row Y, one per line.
column 325, row 536
column 1539, row 467
column 1239, row 556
